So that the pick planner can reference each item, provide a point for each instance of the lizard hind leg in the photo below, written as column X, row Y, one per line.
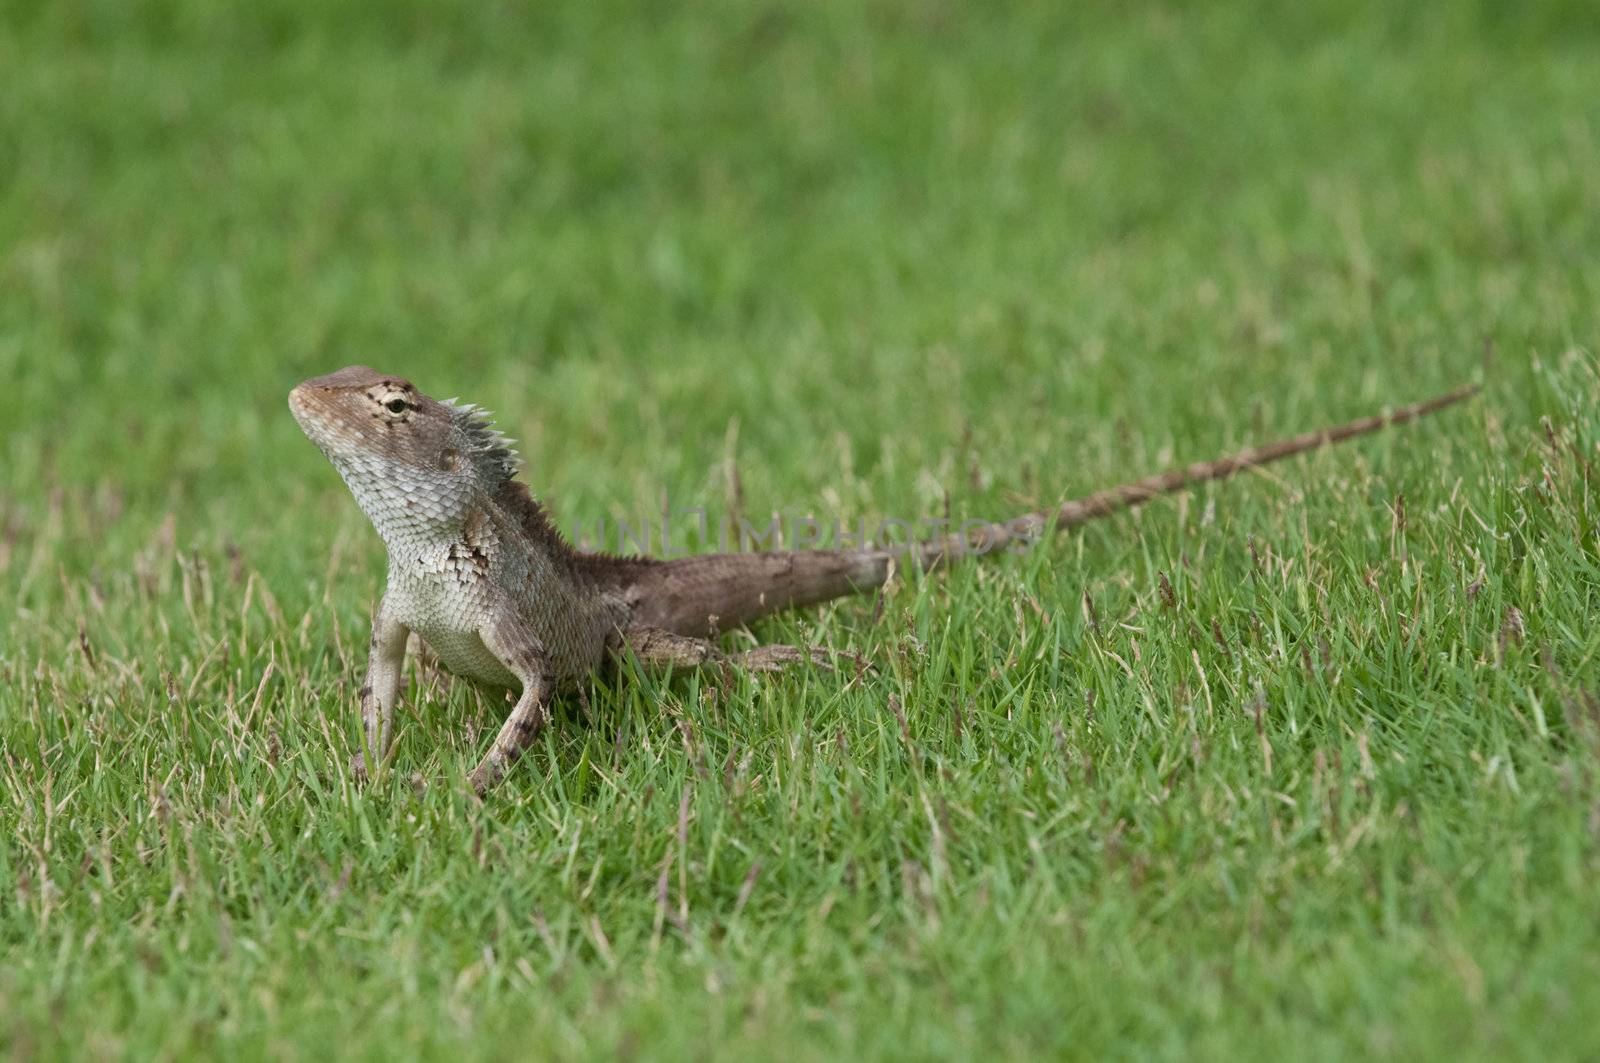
column 775, row 657
column 658, row 649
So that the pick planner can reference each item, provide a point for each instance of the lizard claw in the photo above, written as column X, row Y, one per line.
column 358, row 769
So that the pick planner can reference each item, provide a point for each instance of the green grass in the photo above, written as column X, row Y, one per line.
column 1340, row 794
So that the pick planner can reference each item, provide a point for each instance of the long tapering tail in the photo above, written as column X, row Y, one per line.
column 711, row 593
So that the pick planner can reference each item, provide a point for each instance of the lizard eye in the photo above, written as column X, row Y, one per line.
column 396, row 405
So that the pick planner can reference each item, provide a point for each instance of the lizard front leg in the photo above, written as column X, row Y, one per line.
column 380, row 690
column 509, row 637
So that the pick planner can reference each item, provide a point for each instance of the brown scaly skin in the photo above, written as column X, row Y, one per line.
column 478, row 570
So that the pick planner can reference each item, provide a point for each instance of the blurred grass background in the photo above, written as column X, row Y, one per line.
column 879, row 254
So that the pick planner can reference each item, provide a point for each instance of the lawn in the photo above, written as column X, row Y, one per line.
column 1306, row 763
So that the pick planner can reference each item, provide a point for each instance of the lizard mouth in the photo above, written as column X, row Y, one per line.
column 299, row 406
column 303, row 405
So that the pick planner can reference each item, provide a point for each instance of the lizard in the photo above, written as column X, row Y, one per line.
column 477, row 568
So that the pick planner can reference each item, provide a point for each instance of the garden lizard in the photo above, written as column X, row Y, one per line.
column 479, row 571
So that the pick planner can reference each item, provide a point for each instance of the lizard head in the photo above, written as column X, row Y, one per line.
column 412, row 462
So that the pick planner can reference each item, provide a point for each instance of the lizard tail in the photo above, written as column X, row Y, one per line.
column 707, row 594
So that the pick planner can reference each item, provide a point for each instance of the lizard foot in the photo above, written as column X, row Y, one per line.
column 483, row 778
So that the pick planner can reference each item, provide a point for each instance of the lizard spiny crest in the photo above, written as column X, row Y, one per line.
column 489, row 449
